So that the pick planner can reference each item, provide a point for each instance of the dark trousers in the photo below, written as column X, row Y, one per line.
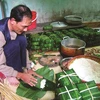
column 15, row 52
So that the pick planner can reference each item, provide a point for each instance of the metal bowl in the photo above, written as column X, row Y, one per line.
column 73, row 20
column 64, row 62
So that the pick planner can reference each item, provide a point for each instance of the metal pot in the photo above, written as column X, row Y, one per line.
column 71, row 47
column 73, row 20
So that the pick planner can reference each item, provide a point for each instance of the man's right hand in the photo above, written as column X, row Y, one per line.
column 28, row 78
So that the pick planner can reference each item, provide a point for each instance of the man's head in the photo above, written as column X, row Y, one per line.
column 20, row 18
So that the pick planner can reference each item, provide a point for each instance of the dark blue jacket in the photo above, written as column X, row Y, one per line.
column 15, row 50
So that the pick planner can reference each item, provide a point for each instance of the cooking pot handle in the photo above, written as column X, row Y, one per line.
column 81, row 48
column 66, row 37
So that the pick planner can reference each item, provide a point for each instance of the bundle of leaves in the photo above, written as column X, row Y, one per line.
column 34, row 93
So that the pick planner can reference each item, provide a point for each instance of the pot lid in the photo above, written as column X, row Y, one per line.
column 58, row 24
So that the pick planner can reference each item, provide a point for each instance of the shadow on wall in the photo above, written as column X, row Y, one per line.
column 3, row 5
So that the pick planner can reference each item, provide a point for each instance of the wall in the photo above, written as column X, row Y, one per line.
column 51, row 10
column 1, row 9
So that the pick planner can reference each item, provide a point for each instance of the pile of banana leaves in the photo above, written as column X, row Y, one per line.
column 34, row 93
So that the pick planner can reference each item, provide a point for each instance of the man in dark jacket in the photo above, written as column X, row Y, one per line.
column 13, row 43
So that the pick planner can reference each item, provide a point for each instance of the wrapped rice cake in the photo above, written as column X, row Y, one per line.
column 69, row 92
column 67, row 77
column 89, row 91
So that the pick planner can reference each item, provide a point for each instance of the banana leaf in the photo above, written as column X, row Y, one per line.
column 97, row 55
column 34, row 93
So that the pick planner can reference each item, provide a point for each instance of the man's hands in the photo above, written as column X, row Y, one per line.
column 29, row 77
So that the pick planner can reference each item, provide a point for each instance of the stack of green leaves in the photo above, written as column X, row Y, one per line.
column 34, row 42
column 35, row 93
column 89, row 91
column 50, row 40
column 46, row 43
column 47, row 27
column 67, row 77
column 69, row 92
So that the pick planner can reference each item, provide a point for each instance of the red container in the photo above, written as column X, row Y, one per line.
column 34, row 18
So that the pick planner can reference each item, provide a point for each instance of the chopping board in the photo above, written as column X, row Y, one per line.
column 48, row 53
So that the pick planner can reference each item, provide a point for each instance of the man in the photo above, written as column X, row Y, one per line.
column 13, row 53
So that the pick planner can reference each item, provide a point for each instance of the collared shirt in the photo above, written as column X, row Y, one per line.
column 7, row 70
